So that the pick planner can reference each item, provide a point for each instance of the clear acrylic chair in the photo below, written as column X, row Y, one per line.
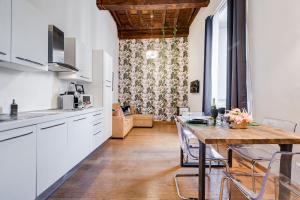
column 262, row 153
column 274, row 185
column 189, row 146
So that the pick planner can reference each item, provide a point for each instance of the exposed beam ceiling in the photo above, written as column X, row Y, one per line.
column 147, row 18
column 150, row 4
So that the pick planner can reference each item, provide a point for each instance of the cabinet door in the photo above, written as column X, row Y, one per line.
column 79, row 129
column 5, row 30
column 107, row 67
column 87, row 64
column 107, row 103
column 18, row 164
column 29, row 35
column 107, row 94
column 51, row 153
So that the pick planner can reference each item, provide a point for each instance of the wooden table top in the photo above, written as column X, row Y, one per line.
column 252, row 135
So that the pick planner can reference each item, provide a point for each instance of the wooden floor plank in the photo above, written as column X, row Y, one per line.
column 140, row 167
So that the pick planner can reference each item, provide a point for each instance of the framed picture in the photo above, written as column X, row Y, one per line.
column 194, row 87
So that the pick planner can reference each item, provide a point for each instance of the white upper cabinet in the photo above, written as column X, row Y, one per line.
column 79, row 56
column 29, row 35
column 5, row 30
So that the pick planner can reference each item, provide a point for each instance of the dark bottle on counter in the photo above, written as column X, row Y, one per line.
column 14, row 108
column 214, row 111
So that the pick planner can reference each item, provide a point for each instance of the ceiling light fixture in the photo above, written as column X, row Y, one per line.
column 151, row 54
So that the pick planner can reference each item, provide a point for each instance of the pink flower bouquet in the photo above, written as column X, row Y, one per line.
column 238, row 119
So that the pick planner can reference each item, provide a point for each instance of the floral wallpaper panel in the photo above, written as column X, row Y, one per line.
column 156, row 86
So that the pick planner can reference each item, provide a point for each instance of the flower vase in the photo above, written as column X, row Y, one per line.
column 243, row 125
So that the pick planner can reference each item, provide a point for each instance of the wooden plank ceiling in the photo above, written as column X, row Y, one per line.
column 137, row 19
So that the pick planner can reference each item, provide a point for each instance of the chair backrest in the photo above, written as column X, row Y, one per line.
column 282, row 124
column 289, row 187
column 181, row 136
column 184, row 140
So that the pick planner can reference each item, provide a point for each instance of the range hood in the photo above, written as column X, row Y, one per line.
column 56, row 54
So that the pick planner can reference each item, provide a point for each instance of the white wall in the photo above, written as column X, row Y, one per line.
column 77, row 18
column 196, row 52
column 274, row 37
column 274, row 48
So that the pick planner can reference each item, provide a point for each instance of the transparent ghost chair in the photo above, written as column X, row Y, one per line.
column 262, row 153
column 274, row 185
column 189, row 146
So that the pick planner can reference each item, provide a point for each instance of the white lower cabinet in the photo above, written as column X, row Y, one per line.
column 97, row 134
column 33, row 158
column 52, row 143
column 78, row 139
column 18, row 164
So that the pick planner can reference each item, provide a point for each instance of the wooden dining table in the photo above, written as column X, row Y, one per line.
column 252, row 135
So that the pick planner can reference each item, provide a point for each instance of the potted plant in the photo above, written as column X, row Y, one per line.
column 238, row 119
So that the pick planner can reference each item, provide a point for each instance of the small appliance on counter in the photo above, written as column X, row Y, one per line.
column 75, row 98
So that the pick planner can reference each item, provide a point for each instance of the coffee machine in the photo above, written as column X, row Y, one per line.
column 70, row 100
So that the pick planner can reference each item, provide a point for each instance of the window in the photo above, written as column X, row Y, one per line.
column 219, row 57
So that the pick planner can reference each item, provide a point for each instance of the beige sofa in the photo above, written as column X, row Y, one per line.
column 121, row 124
column 142, row 120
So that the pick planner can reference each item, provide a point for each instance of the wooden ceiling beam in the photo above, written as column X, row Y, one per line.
column 193, row 16
column 129, row 19
column 164, row 18
column 140, row 18
column 116, row 18
column 176, row 18
column 151, row 4
column 154, row 33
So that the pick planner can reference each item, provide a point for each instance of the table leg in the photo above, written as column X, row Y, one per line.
column 202, row 165
column 229, row 157
column 181, row 157
column 285, row 169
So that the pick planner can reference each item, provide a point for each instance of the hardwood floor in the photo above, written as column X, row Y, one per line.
column 140, row 167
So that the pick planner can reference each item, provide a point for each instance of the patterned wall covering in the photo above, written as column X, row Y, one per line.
column 158, row 85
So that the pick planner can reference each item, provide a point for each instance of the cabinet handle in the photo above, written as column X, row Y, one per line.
column 97, row 123
column 23, row 135
column 107, row 86
column 2, row 53
column 84, row 77
column 76, row 120
column 30, row 61
column 97, row 133
column 53, row 126
column 97, row 114
column 108, row 81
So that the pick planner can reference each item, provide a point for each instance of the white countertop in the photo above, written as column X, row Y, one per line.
column 42, row 116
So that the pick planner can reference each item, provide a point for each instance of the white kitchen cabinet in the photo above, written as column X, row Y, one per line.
column 79, row 129
column 5, row 30
column 97, row 134
column 107, row 101
column 18, row 164
column 52, row 155
column 29, row 39
column 101, row 87
column 79, row 56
